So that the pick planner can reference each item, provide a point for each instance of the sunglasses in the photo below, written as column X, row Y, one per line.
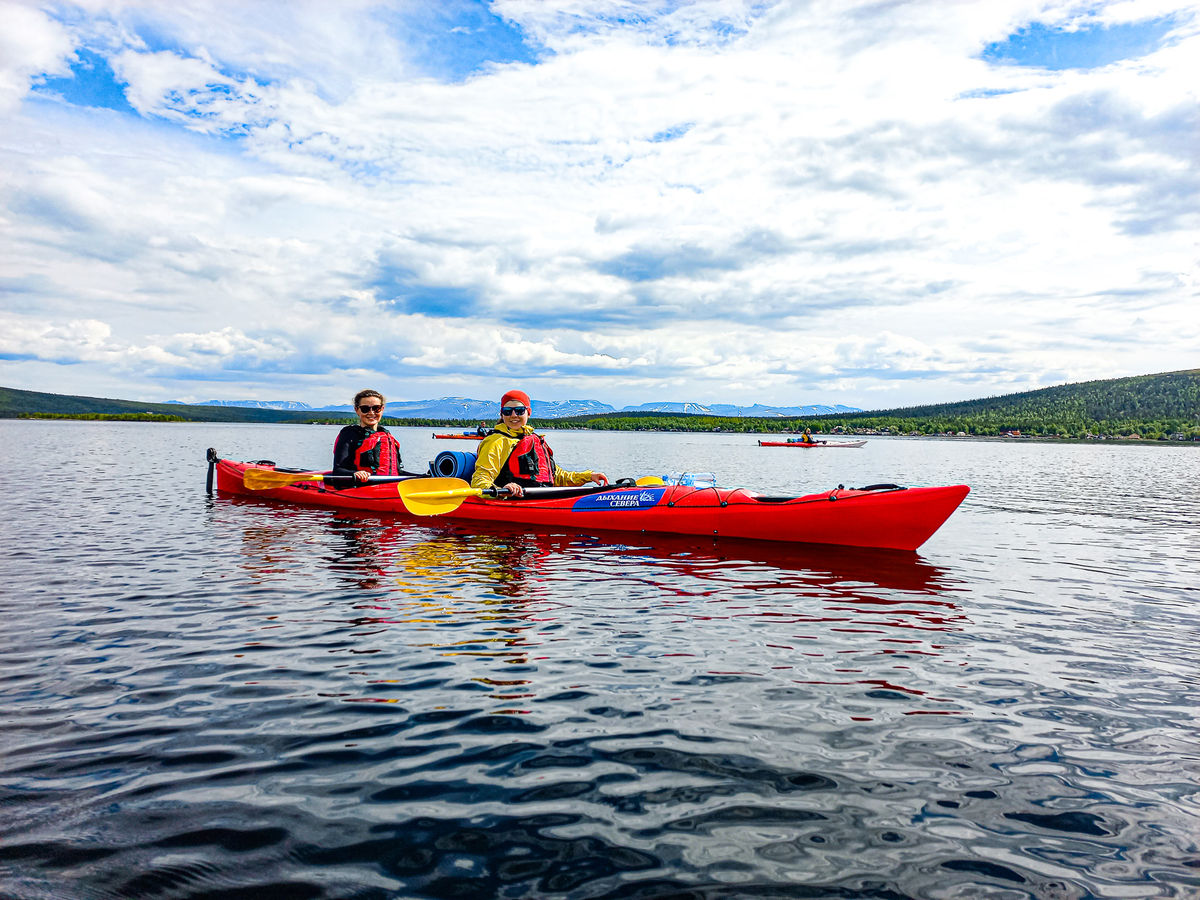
column 512, row 410
column 370, row 409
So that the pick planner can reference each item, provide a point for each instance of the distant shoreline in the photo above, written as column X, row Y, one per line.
column 104, row 417
column 401, row 423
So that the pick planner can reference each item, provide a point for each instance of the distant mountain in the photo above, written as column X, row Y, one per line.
column 444, row 408
column 697, row 409
column 250, row 404
column 485, row 410
column 559, row 409
column 757, row 411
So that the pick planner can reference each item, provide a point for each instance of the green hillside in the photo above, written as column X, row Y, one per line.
column 1151, row 406
column 17, row 404
column 1171, row 395
column 14, row 403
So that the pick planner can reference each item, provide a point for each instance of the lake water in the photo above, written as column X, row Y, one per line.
column 221, row 697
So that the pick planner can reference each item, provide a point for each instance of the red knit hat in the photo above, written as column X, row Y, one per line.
column 519, row 396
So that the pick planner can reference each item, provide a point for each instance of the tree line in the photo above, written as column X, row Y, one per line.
column 104, row 417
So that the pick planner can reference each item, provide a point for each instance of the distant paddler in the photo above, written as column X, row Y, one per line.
column 513, row 456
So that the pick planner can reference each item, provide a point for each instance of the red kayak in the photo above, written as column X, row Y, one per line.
column 458, row 437
column 881, row 516
column 811, row 444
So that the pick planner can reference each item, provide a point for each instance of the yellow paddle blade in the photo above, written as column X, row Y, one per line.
column 265, row 479
column 434, row 496
column 648, row 480
column 439, row 495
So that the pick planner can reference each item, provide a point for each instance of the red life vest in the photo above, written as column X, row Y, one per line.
column 379, row 454
column 530, row 463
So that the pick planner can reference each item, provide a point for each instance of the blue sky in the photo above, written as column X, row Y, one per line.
column 876, row 205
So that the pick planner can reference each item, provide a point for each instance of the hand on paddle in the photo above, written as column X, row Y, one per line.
column 257, row 479
column 514, row 490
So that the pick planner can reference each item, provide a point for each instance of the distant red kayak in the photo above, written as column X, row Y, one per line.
column 881, row 516
column 459, row 437
column 811, row 444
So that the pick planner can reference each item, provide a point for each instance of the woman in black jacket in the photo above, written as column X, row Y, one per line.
column 367, row 448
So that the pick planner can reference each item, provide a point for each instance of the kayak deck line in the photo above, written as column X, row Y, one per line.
column 880, row 516
column 540, row 494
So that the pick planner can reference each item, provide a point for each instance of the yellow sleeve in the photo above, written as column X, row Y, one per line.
column 490, row 455
column 564, row 478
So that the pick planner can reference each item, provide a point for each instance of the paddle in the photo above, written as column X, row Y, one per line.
column 266, row 479
column 435, row 496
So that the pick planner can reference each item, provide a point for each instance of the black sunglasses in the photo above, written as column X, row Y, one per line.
column 370, row 409
column 512, row 410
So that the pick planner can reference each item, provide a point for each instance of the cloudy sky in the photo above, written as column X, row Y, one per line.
column 872, row 203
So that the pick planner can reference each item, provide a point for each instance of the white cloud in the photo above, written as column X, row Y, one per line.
column 31, row 45
column 75, row 340
column 187, row 90
column 92, row 341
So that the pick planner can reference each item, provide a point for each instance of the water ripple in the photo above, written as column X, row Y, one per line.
column 230, row 698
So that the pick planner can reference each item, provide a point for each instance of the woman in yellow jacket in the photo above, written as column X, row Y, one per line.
column 513, row 456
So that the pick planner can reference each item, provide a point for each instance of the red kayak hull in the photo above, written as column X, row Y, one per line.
column 458, row 437
column 896, row 519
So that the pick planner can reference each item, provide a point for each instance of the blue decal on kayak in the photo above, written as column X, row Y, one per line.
column 641, row 498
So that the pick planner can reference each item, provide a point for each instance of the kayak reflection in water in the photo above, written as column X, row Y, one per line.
column 367, row 448
column 514, row 457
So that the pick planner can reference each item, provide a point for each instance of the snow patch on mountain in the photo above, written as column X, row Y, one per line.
column 250, row 404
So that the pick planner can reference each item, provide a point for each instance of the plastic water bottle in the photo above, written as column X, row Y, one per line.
column 692, row 479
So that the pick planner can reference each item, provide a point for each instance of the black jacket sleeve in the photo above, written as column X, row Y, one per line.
column 348, row 441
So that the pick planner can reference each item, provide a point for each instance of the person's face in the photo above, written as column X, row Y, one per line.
column 512, row 418
column 370, row 411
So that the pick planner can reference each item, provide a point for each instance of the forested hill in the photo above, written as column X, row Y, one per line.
column 1157, row 407
column 14, row 403
column 1171, row 395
